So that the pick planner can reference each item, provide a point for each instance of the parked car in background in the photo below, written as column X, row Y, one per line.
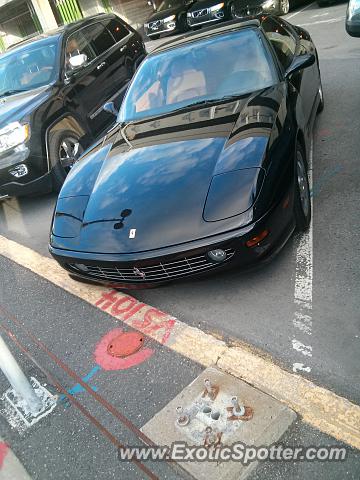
column 206, row 12
column 245, row 8
column 169, row 17
column 207, row 166
column 52, row 91
column 352, row 22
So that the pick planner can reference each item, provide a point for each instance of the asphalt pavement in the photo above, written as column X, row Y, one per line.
column 258, row 308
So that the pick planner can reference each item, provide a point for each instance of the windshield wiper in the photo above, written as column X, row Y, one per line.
column 11, row 92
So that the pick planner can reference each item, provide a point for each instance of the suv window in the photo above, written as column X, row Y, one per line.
column 281, row 39
column 78, row 43
column 117, row 29
column 99, row 37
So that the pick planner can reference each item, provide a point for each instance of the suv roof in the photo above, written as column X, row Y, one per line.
column 68, row 28
column 206, row 32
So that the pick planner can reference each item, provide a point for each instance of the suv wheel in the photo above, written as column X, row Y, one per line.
column 302, row 201
column 284, row 7
column 64, row 150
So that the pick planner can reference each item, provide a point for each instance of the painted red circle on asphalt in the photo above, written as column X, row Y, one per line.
column 109, row 362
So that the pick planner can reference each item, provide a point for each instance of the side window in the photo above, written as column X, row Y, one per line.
column 78, row 44
column 281, row 39
column 117, row 29
column 98, row 37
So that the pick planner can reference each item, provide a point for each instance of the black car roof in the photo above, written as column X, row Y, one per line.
column 64, row 29
column 207, row 32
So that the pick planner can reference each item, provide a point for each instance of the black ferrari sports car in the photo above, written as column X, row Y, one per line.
column 206, row 167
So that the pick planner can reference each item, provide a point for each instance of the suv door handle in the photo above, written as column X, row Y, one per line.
column 123, row 48
column 101, row 65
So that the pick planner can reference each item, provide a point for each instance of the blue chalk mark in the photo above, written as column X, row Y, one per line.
column 76, row 389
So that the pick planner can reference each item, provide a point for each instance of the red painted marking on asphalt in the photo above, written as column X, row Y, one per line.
column 108, row 362
column 4, row 448
column 151, row 322
column 323, row 133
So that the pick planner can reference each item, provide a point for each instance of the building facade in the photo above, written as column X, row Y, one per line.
column 21, row 19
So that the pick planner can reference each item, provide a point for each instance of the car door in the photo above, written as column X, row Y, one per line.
column 89, row 84
column 287, row 45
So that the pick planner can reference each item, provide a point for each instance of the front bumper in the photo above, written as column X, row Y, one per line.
column 190, row 260
column 36, row 180
column 205, row 16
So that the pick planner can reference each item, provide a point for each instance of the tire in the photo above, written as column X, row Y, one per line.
column 64, row 150
column 302, row 201
column 321, row 95
column 284, row 7
column 321, row 3
column 154, row 37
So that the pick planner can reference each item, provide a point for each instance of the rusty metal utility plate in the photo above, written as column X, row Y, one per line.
column 217, row 408
column 125, row 344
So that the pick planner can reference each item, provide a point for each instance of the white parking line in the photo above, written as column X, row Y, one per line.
column 330, row 20
column 303, row 290
column 299, row 11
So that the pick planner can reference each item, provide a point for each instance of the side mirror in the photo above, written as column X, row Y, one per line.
column 303, row 61
column 352, row 22
column 110, row 108
column 78, row 60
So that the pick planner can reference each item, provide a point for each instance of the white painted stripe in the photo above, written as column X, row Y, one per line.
column 330, row 20
column 303, row 322
column 303, row 290
column 300, row 347
column 300, row 367
column 299, row 11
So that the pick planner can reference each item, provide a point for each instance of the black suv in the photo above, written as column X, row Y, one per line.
column 52, row 92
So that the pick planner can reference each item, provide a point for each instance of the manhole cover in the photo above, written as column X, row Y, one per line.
column 125, row 344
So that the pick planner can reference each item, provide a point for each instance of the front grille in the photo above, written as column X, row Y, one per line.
column 156, row 24
column 248, row 12
column 150, row 273
column 200, row 13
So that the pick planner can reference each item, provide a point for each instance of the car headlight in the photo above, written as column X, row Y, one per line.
column 268, row 4
column 169, row 19
column 216, row 7
column 13, row 134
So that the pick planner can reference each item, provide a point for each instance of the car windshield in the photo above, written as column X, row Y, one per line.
column 167, row 4
column 222, row 66
column 28, row 67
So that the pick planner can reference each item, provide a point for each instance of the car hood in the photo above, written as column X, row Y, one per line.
column 15, row 107
column 166, row 13
column 158, row 188
column 203, row 4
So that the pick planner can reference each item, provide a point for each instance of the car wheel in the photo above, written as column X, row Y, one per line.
column 284, row 7
column 321, row 3
column 64, row 150
column 154, row 37
column 302, row 202
column 321, row 96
